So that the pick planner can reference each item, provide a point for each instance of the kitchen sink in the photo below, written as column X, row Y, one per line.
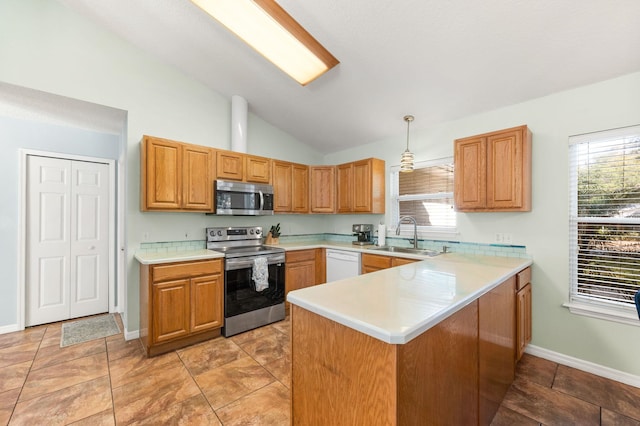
column 392, row 249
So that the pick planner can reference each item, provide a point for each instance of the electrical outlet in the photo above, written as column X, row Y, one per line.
column 145, row 236
column 507, row 238
column 187, row 235
column 499, row 237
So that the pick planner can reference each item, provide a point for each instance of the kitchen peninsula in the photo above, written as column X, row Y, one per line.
column 431, row 342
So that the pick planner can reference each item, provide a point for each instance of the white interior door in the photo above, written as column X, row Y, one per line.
column 67, row 239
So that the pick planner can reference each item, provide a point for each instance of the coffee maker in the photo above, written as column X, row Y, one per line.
column 364, row 233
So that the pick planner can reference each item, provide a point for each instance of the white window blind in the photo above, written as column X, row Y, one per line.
column 426, row 194
column 604, row 219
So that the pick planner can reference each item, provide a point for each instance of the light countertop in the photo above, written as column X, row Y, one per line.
column 398, row 304
column 176, row 256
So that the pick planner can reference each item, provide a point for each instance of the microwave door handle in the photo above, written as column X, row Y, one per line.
column 261, row 200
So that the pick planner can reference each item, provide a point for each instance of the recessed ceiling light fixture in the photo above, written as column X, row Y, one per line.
column 406, row 161
column 270, row 30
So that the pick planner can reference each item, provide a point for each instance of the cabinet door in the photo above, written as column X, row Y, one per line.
column 257, row 169
column 300, row 188
column 282, row 186
column 161, row 174
column 170, row 310
column 323, row 188
column 374, row 262
column 197, row 178
column 397, row 261
column 300, row 275
column 523, row 315
column 470, row 158
column 229, row 165
column 505, row 170
column 362, row 186
column 206, row 303
column 345, row 188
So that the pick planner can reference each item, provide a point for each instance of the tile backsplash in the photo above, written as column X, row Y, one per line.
column 452, row 246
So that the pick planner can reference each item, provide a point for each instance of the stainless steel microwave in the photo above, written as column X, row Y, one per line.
column 243, row 199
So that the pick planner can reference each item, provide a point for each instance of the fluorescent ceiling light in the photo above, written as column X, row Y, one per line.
column 270, row 30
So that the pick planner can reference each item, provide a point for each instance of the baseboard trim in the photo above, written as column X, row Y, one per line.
column 130, row 335
column 580, row 364
column 9, row 328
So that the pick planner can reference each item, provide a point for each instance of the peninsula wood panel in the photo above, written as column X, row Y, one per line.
column 496, row 328
column 354, row 379
column 339, row 375
column 438, row 373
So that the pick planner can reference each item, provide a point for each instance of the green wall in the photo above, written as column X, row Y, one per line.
column 46, row 47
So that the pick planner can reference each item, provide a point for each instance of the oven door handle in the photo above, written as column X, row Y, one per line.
column 247, row 262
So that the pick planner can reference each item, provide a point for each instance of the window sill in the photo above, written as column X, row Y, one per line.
column 620, row 316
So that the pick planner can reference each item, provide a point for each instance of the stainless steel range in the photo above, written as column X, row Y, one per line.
column 253, row 278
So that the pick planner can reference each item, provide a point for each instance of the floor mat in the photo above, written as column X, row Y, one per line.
column 88, row 329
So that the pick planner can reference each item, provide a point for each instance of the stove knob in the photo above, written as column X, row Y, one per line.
column 257, row 232
column 219, row 233
column 251, row 231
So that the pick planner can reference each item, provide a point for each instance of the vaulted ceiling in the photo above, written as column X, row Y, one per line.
column 438, row 60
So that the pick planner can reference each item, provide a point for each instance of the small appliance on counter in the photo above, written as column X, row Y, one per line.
column 364, row 233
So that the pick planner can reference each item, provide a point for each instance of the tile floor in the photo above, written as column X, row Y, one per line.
column 243, row 380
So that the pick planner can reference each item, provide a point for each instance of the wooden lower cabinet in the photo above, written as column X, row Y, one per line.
column 376, row 262
column 523, row 311
column 455, row 373
column 180, row 304
column 304, row 268
column 354, row 379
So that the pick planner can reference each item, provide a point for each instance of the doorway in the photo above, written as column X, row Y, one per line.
column 69, row 227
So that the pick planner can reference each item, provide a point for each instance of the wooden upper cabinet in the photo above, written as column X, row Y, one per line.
column 257, row 169
column 175, row 176
column 360, row 186
column 242, row 167
column 300, row 188
column 344, row 176
column 229, row 165
column 290, row 187
column 282, row 190
column 323, row 189
column 197, row 178
column 493, row 171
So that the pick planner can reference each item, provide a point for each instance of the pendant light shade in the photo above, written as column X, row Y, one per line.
column 406, row 161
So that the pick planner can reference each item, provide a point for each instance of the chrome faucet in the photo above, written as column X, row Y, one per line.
column 415, row 229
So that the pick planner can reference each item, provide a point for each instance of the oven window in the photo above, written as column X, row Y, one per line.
column 240, row 296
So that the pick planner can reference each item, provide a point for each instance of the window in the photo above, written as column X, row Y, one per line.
column 426, row 193
column 604, row 219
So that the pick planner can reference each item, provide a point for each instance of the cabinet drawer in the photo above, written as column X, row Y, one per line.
column 172, row 271
column 376, row 261
column 300, row 256
column 523, row 278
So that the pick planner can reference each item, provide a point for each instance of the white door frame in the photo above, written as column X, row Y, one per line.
column 115, row 267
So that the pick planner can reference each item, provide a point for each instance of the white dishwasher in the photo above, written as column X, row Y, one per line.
column 342, row 264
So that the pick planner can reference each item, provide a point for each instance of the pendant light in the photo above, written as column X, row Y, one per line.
column 406, row 161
